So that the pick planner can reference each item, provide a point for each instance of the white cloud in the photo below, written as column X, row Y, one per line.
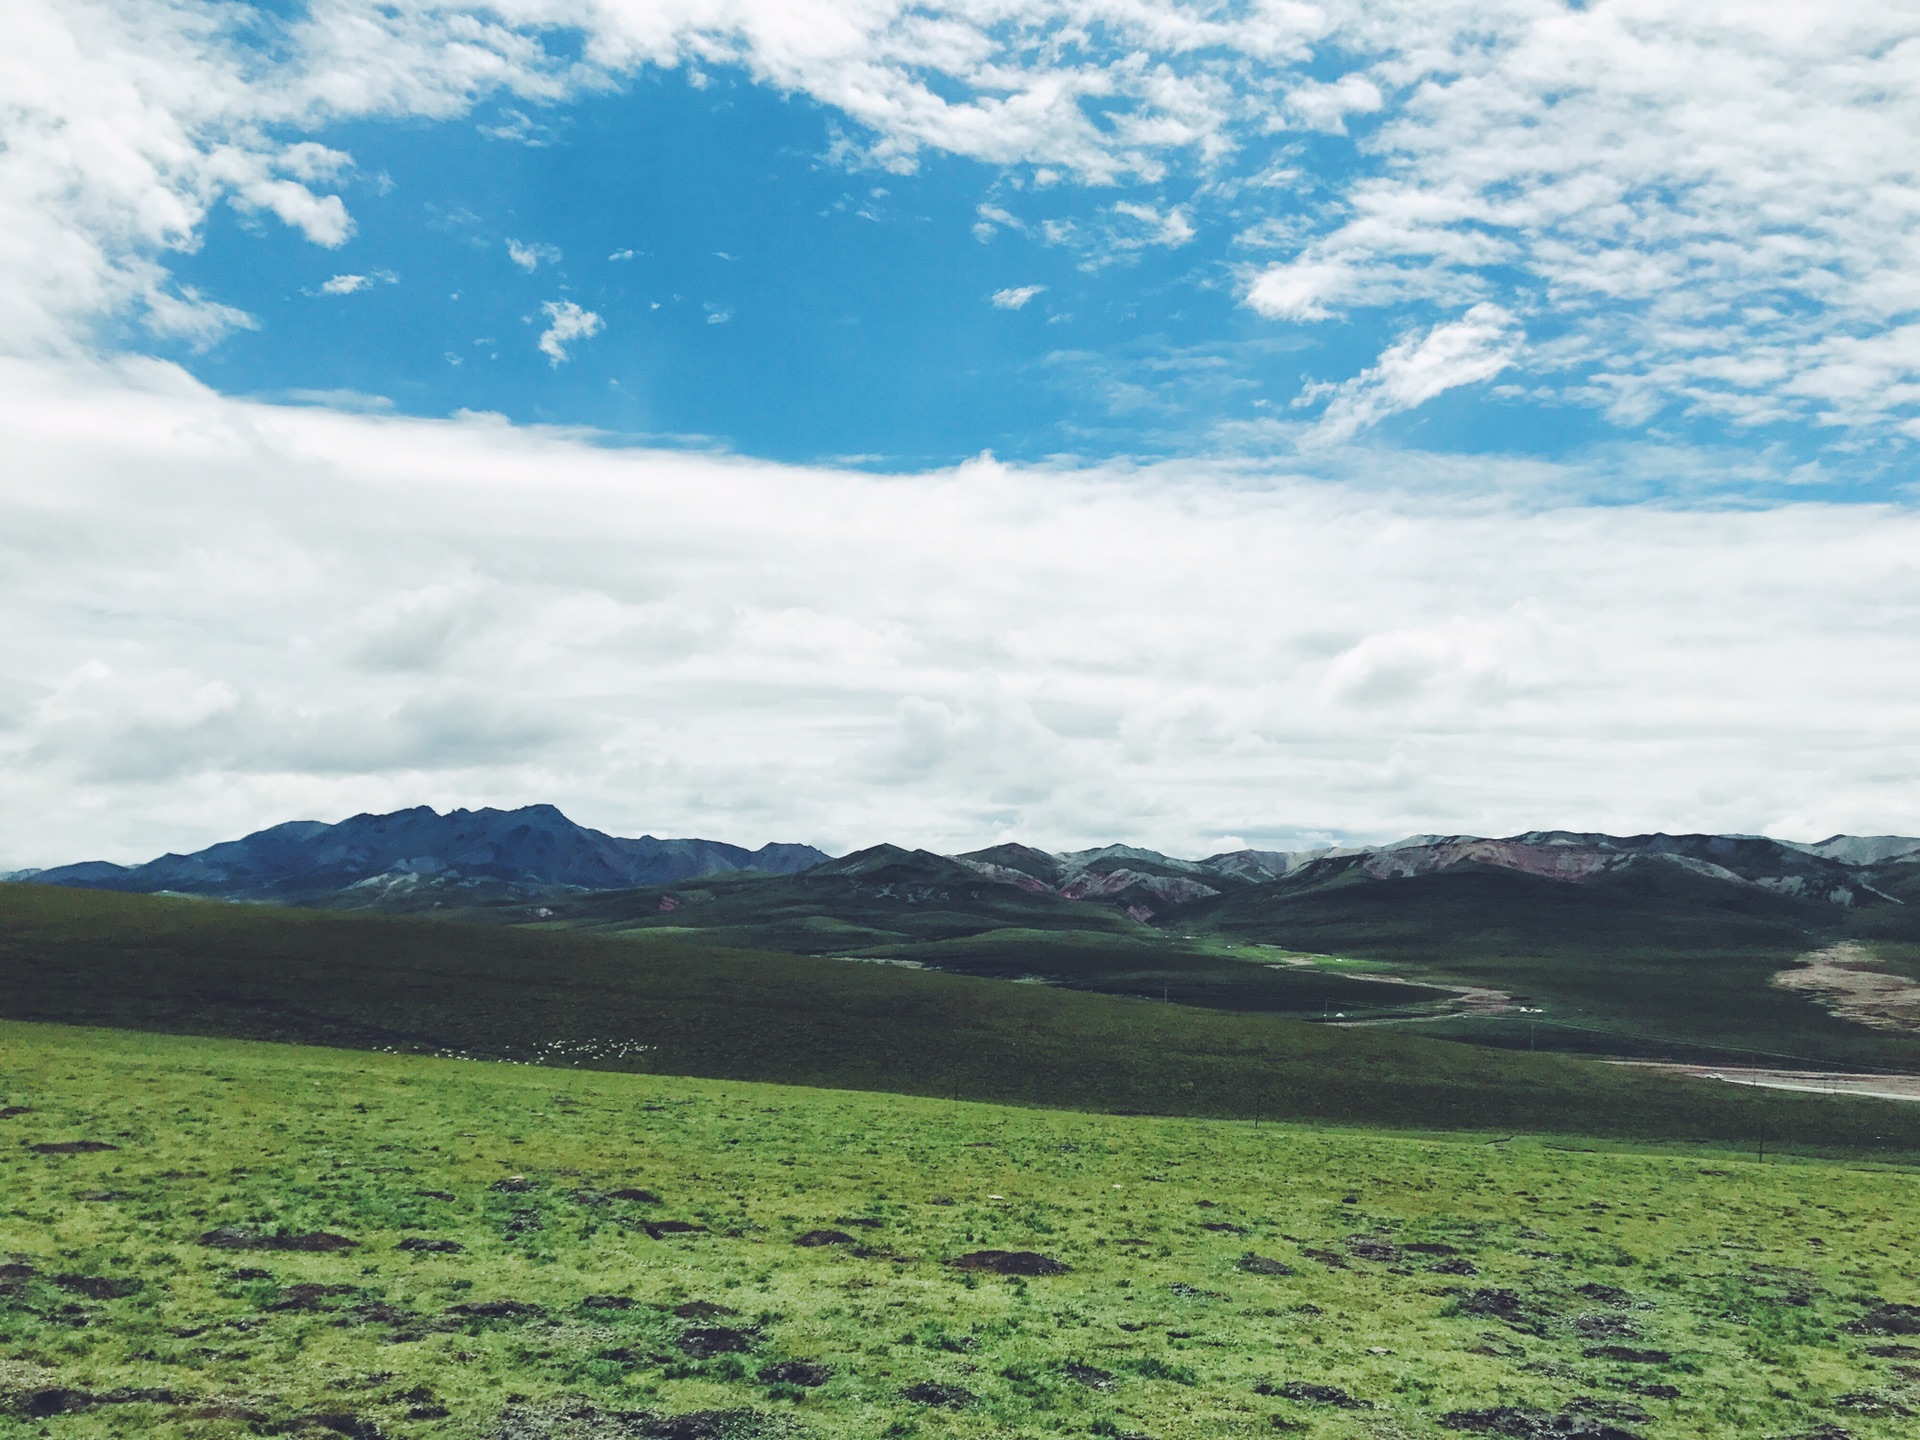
column 463, row 612
column 1170, row 228
column 1411, row 371
column 1326, row 107
column 531, row 257
column 567, row 322
column 621, row 255
column 1015, row 297
column 1716, row 202
column 1301, row 289
column 353, row 284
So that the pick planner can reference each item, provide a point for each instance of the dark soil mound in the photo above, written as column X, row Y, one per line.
column 1329, row 1258
column 705, row 1342
column 9, row 1111
column 421, row 1245
column 1454, row 1267
column 97, row 1287
column 1090, row 1376
column 40, row 1404
column 1605, row 1294
column 512, row 1185
column 496, row 1309
column 1888, row 1319
column 1372, row 1247
column 1502, row 1305
column 1223, row 1227
column 1308, row 1394
column 673, row 1227
column 1008, row 1262
column 702, row 1310
column 1865, row 1402
column 932, row 1392
column 795, row 1372
column 823, row 1237
column 232, row 1237
column 73, row 1147
column 1627, row 1354
column 707, row 1425
column 337, row 1422
column 1596, row 1327
column 1428, row 1247
column 308, row 1296
column 1535, row 1424
column 639, row 1197
column 1263, row 1265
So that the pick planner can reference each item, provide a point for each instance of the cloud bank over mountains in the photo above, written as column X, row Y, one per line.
column 217, row 613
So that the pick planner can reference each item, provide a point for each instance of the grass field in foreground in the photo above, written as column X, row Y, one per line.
column 1411, row 1286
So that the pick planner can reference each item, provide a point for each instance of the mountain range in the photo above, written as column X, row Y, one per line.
column 381, row 860
column 418, row 858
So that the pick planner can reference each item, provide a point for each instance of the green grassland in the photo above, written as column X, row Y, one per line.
column 666, row 1004
column 964, row 928
column 1652, row 961
column 1407, row 1279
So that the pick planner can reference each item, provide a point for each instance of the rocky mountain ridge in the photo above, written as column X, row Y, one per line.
column 371, row 859
column 419, row 858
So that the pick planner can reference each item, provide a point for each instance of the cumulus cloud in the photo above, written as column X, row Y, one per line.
column 1411, row 371
column 531, row 257
column 567, row 322
column 353, row 284
column 463, row 611
column 1015, row 297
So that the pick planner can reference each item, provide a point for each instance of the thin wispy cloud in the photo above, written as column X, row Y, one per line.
column 531, row 257
column 1016, row 297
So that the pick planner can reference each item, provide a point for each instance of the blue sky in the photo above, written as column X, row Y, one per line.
column 1439, row 416
column 767, row 296
column 779, row 293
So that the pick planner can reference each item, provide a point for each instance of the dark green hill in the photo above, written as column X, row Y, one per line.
column 1649, row 959
column 661, row 1003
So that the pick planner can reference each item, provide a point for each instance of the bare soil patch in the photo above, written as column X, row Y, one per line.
column 706, row 1342
column 1008, row 1262
column 232, row 1237
column 1850, row 982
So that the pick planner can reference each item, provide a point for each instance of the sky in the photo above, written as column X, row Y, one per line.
column 1071, row 421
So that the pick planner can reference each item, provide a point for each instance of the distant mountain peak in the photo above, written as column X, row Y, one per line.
column 475, row 854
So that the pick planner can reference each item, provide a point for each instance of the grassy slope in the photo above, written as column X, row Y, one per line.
column 1652, row 962
column 978, row 929
column 1745, row 1276
column 1655, row 956
column 663, row 1004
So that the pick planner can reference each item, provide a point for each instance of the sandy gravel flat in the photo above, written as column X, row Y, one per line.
column 1851, row 984
column 1816, row 1082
